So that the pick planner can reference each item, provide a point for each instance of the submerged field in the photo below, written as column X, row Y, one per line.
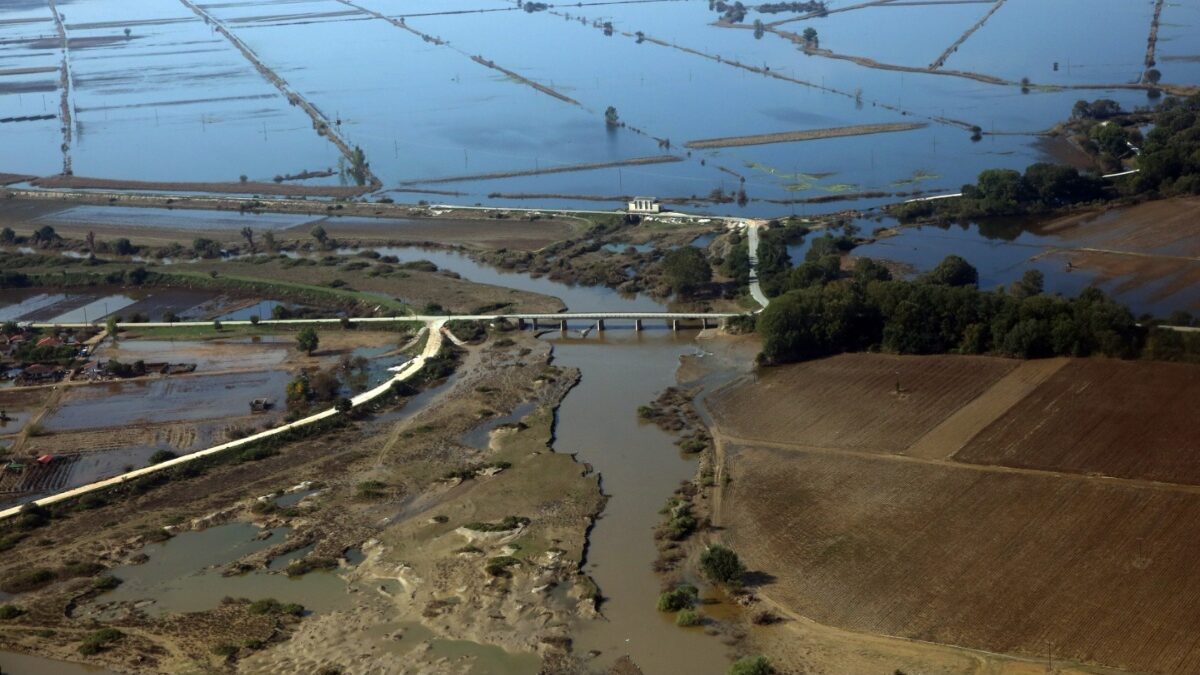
column 120, row 90
column 974, row 511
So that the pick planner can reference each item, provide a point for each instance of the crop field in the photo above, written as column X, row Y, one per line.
column 850, row 401
column 1008, row 506
column 1115, row 418
column 991, row 559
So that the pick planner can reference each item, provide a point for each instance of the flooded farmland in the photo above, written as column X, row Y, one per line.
column 236, row 89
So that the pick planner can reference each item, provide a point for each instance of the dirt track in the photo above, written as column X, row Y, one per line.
column 807, row 135
column 636, row 161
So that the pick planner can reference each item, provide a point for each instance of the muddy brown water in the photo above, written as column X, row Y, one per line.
column 183, row 574
column 639, row 467
column 24, row 664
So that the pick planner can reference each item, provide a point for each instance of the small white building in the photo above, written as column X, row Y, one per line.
column 644, row 205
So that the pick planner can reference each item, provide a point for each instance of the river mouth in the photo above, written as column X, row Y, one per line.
column 639, row 467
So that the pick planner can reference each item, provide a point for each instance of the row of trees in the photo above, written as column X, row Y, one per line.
column 944, row 311
column 1004, row 192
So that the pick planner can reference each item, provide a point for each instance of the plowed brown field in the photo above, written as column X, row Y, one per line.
column 1115, row 418
column 850, row 401
column 995, row 559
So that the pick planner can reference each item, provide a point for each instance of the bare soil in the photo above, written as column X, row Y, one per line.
column 1025, row 548
column 1011, row 563
column 850, row 401
column 1102, row 417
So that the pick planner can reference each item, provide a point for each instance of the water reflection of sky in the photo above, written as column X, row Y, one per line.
column 443, row 115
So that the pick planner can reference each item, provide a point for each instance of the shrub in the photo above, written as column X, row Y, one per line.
column 722, row 565
column 106, row 583
column 96, row 642
column 370, row 489
column 9, row 612
column 28, row 580
column 509, row 523
column 273, row 606
column 687, row 618
column 498, row 566
column 679, row 598
column 81, row 569
column 224, row 649
column 161, row 456
column 752, row 665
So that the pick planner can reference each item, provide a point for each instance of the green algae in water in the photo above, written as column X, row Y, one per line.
column 918, row 176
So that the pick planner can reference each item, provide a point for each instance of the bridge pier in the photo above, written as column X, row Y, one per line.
column 562, row 325
column 599, row 325
column 674, row 324
column 520, row 324
column 637, row 324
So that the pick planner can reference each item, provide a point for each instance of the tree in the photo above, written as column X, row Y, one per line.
column 610, row 117
column 359, row 167
column 7, row 236
column 343, row 405
column 204, row 247
column 810, row 37
column 318, row 233
column 1153, row 76
column 953, row 271
column 1032, row 283
column 45, row 234
column 686, row 269
column 128, row 33
column 248, row 234
column 721, row 565
column 751, row 665
column 217, row 325
column 110, row 325
column 269, row 241
column 123, row 246
column 307, row 340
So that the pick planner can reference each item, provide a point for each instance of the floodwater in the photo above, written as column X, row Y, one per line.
column 576, row 298
column 93, row 305
column 1003, row 252
column 170, row 399
column 24, row 664
column 183, row 574
column 178, row 88
column 640, row 467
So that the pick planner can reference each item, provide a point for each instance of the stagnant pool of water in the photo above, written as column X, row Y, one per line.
column 183, row 574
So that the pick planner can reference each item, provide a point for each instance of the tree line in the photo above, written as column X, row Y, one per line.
column 944, row 311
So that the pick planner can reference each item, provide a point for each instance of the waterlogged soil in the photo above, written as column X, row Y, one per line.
column 177, row 398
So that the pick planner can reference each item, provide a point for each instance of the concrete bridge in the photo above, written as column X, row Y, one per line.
column 535, row 320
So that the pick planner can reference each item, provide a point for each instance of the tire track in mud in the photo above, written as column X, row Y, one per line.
column 66, row 106
column 487, row 63
column 319, row 120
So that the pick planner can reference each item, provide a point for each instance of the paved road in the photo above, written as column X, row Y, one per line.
column 755, row 289
column 432, row 347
